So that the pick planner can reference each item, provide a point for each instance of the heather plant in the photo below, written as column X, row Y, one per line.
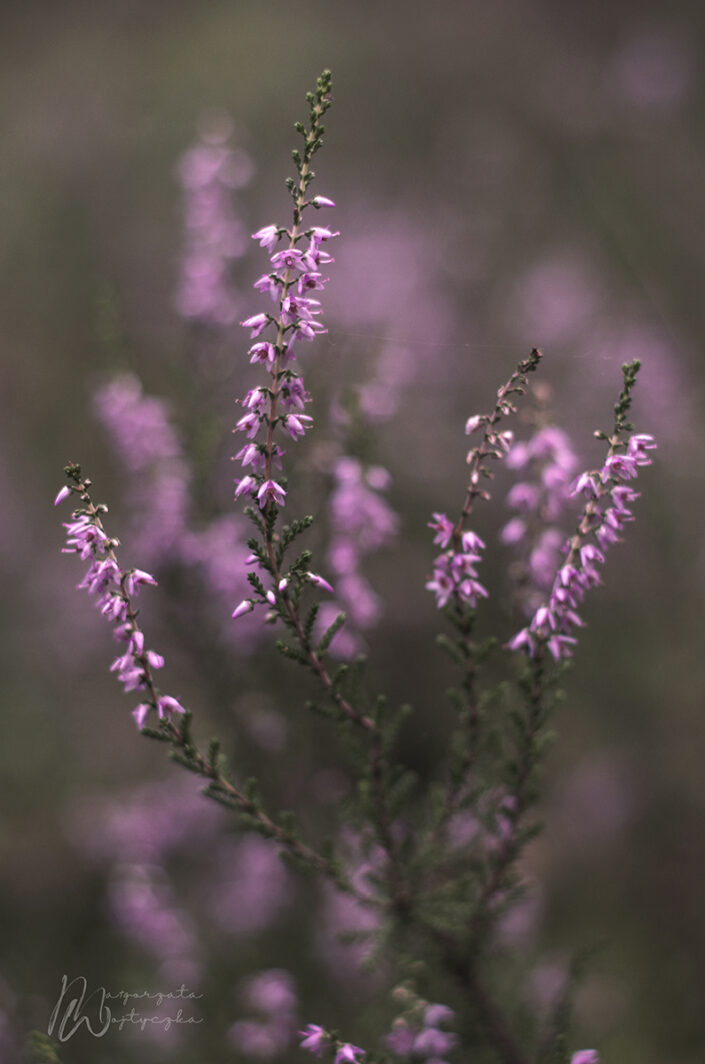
column 428, row 871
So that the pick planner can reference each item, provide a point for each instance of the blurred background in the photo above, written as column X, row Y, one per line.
column 507, row 175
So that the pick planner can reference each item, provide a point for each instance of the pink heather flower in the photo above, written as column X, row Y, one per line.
column 455, row 574
column 83, row 537
column 587, row 485
column 523, row 641
column 135, row 579
column 400, row 1039
column 256, row 398
column 473, row 424
column 262, row 352
column 435, row 1015
column 318, row 581
column 269, row 283
column 267, row 236
column 246, row 484
column 513, row 531
column 130, row 674
column 319, row 234
column 140, row 714
column 295, row 425
column 312, row 281
column 471, row 542
column 543, row 619
column 63, row 494
column 505, row 440
column 442, row 587
column 314, row 1038
column 585, row 1056
column 307, row 330
column 256, row 323
column 443, row 528
column 619, row 466
column 293, row 394
column 349, row 1054
column 135, row 642
column 167, row 705
column 523, row 497
column 270, row 491
column 638, row 446
column 248, row 455
column 113, row 606
column 322, row 201
column 249, row 423
column 101, row 575
column 292, row 259
column 321, row 258
column 560, row 646
column 246, row 606
column 296, row 307
column 434, row 1043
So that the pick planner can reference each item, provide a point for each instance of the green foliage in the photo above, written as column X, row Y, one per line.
column 42, row 1049
column 329, row 634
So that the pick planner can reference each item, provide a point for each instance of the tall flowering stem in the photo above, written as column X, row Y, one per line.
column 115, row 590
column 455, row 579
column 604, row 515
column 295, row 272
column 607, row 494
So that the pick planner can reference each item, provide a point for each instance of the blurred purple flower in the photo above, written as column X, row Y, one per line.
column 141, row 432
column 653, row 68
column 250, row 888
column 271, row 994
column 213, row 234
column 361, row 522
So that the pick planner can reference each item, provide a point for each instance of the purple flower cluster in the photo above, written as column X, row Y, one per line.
column 251, row 886
column 214, row 236
column 454, row 571
column 585, row 1056
column 115, row 590
column 143, row 904
column 296, row 271
column 548, row 464
column 145, row 824
column 608, row 494
column 271, row 995
column 316, row 1040
column 425, row 1040
column 362, row 521
column 141, row 432
column 278, row 408
column 219, row 550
